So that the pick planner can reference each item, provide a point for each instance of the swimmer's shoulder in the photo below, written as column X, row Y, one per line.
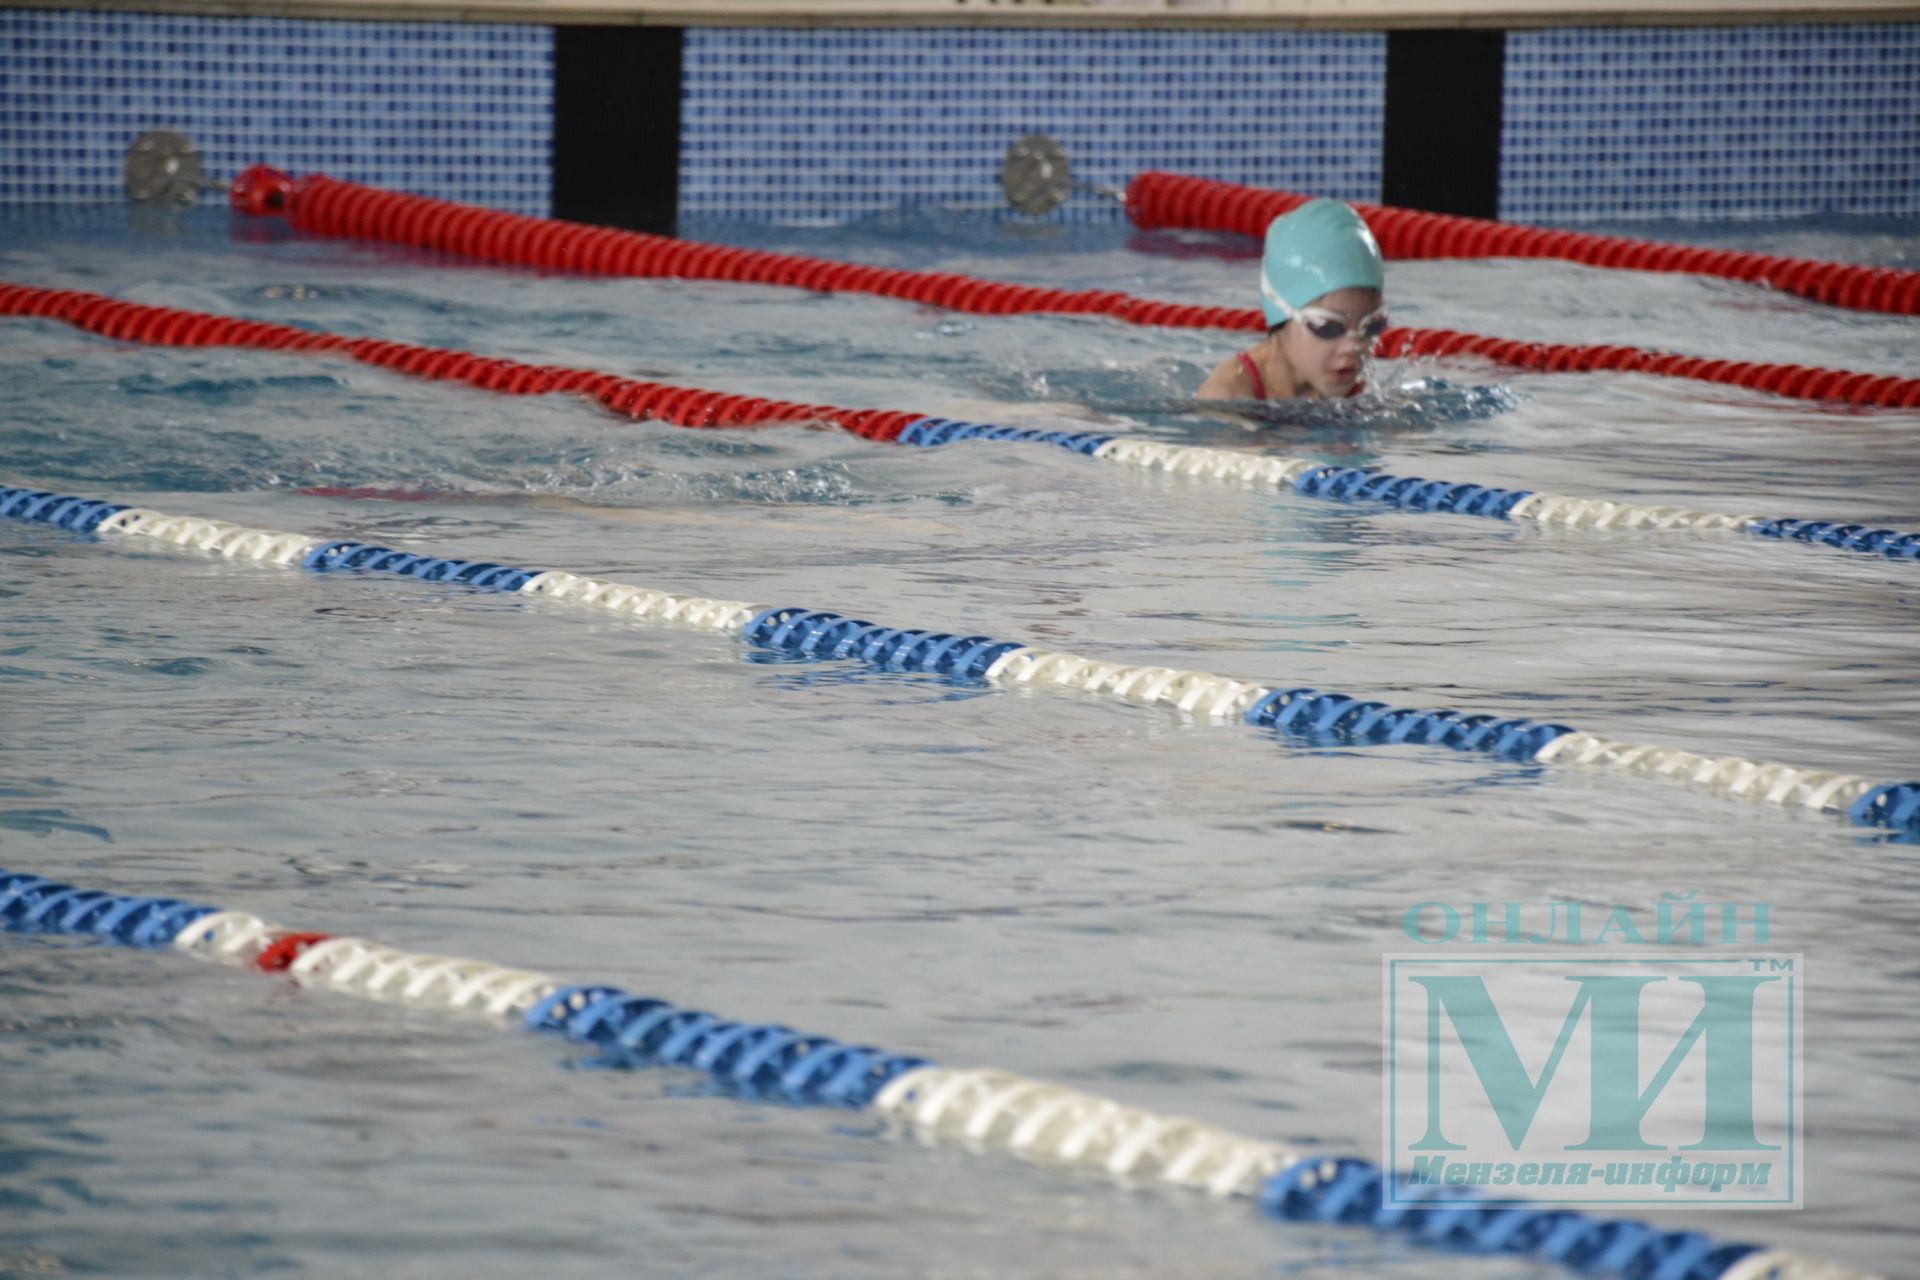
column 1231, row 381
column 1228, row 381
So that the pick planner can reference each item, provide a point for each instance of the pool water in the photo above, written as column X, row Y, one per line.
column 1186, row 916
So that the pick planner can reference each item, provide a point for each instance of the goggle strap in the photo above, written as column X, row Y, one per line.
column 1272, row 295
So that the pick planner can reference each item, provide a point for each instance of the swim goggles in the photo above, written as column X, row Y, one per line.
column 1329, row 326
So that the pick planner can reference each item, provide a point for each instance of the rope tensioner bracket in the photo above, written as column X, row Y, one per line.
column 1036, row 176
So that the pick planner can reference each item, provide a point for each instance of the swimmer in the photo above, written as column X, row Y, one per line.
column 1320, row 287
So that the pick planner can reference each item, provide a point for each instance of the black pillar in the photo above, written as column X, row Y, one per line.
column 1441, row 150
column 616, row 126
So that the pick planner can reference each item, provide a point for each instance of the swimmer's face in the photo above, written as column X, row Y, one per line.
column 1330, row 365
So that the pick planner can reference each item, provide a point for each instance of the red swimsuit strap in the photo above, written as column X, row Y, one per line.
column 1253, row 372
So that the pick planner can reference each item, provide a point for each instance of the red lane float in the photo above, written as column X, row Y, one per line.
column 284, row 950
column 693, row 407
column 1798, row 381
column 324, row 206
column 681, row 406
column 1201, row 204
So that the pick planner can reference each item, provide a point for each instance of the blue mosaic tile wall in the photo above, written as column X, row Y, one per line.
column 453, row 110
column 826, row 125
column 1695, row 122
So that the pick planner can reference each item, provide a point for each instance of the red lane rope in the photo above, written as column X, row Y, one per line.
column 324, row 206
column 1799, row 381
column 681, row 406
column 1201, row 204
column 694, row 407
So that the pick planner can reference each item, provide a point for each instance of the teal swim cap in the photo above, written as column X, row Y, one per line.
column 1319, row 247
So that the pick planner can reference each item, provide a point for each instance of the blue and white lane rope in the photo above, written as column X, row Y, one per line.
column 810, row 633
column 1312, row 479
column 980, row 1108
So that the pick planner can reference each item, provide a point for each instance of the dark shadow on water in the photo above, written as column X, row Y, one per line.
column 812, row 675
column 45, row 822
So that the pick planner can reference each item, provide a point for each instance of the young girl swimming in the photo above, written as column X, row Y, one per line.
column 1320, row 288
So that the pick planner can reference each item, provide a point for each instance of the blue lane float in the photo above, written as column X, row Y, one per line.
column 929, row 432
column 771, row 1061
column 1311, row 479
column 754, row 1060
column 346, row 554
column 1843, row 537
column 1409, row 493
column 64, row 511
column 823, row 635
column 816, row 634
column 1339, row 717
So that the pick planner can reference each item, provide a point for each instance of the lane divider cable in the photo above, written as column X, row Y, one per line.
column 693, row 407
column 1156, row 200
column 321, row 206
column 823, row 635
column 981, row 1110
